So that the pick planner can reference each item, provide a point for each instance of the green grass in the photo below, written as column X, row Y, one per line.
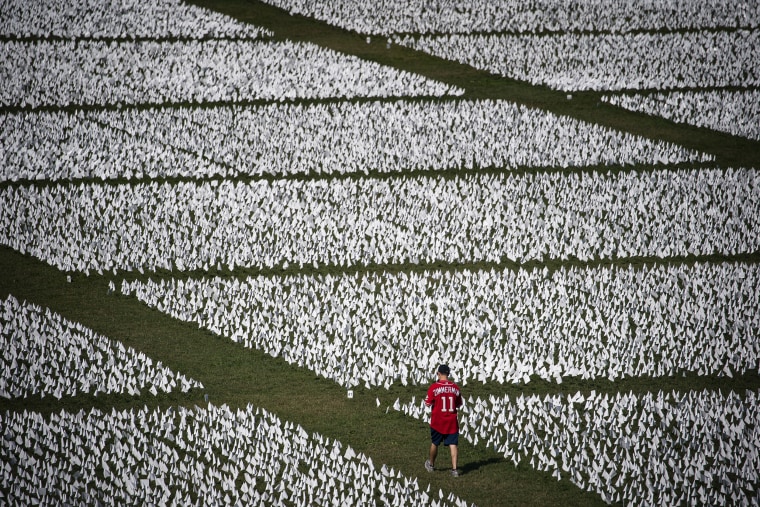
column 236, row 376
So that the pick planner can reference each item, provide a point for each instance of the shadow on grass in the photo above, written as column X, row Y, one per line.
column 477, row 465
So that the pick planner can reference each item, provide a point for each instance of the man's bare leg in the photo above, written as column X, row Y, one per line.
column 433, row 453
column 454, row 456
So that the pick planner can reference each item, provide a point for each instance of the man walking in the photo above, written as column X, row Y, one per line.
column 445, row 398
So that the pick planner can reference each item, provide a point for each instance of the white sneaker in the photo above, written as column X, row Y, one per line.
column 429, row 466
column 455, row 472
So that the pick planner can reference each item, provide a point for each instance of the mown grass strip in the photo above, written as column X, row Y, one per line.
column 141, row 106
column 576, row 31
column 505, row 264
column 370, row 174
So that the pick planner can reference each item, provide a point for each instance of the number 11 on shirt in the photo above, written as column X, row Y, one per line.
column 449, row 404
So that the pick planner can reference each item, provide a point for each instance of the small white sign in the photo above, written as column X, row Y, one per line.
column 350, row 394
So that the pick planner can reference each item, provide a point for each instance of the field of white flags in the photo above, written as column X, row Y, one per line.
column 608, row 62
column 386, row 17
column 213, row 456
column 704, row 53
column 127, row 19
column 668, row 448
column 231, row 236
column 501, row 326
column 97, row 73
column 350, row 222
column 734, row 112
column 329, row 139
column 47, row 355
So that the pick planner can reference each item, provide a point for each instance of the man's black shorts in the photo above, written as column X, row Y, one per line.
column 437, row 438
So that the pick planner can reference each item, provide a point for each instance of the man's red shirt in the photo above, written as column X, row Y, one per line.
column 444, row 396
